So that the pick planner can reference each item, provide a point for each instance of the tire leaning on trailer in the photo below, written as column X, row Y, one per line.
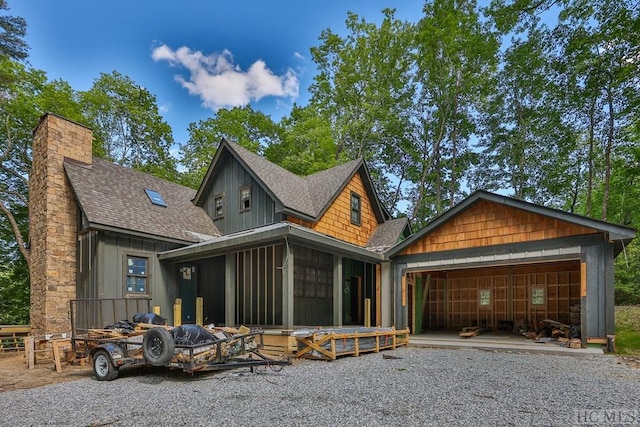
column 158, row 346
column 103, row 368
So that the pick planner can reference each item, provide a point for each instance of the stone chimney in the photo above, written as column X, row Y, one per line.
column 53, row 221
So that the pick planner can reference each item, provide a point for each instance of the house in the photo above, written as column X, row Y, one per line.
column 265, row 247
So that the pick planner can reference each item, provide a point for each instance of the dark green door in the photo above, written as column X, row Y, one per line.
column 187, row 283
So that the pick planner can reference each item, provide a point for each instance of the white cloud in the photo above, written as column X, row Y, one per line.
column 298, row 55
column 219, row 83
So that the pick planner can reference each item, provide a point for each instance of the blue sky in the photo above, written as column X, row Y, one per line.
column 195, row 56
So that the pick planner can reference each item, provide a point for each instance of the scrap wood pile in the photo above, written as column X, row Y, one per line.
column 550, row 331
column 472, row 331
column 193, row 342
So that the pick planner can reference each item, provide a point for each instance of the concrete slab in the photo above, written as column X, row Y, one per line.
column 497, row 342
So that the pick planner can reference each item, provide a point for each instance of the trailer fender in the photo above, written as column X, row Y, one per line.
column 116, row 353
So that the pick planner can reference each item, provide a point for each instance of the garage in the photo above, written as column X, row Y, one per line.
column 500, row 263
column 498, row 298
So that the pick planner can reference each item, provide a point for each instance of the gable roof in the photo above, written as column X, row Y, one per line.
column 389, row 233
column 620, row 235
column 305, row 197
column 113, row 197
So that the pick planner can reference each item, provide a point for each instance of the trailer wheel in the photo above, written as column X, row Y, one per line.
column 158, row 346
column 103, row 369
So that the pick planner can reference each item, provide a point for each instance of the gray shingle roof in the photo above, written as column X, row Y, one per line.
column 308, row 195
column 387, row 234
column 113, row 196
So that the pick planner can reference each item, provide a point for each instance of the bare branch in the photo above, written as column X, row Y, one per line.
column 18, row 235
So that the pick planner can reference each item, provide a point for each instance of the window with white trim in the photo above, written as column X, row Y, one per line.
column 218, row 206
column 137, row 277
column 245, row 198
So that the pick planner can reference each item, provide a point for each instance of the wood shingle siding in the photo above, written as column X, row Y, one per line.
column 336, row 221
column 487, row 223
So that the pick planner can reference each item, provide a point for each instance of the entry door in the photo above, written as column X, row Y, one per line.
column 187, row 283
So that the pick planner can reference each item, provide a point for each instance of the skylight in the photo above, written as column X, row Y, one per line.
column 155, row 197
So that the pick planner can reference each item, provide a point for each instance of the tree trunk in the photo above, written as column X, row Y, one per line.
column 607, row 154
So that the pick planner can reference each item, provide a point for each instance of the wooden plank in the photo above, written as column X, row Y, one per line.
column 378, row 295
column 391, row 340
column 30, row 350
column 312, row 344
column 57, row 346
column 404, row 290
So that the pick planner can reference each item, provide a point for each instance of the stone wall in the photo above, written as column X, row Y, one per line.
column 53, row 221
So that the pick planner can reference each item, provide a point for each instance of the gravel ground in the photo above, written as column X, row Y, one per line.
column 421, row 387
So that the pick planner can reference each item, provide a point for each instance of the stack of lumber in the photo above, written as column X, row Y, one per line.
column 328, row 344
column 471, row 331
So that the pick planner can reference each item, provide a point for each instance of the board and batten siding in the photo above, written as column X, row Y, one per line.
column 336, row 221
column 487, row 224
column 228, row 181
column 110, row 274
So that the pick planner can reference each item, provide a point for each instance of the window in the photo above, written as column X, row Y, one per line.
column 485, row 298
column 537, row 296
column 355, row 209
column 245, row 198
column 155, row 197
column 137, row 274
column 218, row 202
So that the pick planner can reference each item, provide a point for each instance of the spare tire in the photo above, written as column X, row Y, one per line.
column 158, row 346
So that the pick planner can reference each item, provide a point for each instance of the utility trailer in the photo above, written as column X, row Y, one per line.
column 188, row 347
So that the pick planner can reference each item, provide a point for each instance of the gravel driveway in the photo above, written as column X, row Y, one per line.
column 421, row 387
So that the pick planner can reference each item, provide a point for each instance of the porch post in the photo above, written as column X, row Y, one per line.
column 387, row 303
column 287, row 288
column 337, row 290
column 230, row 289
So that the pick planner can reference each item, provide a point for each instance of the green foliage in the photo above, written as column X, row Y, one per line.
column 13, row 29
column 306, row 145
column 251, row 129
column 628, row 330
column 364, row 88
column 14, row 294
column 127, row 126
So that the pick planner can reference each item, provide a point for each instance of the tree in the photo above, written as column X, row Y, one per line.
column 26, row 95
column 456, row 59
column 364, row 88
column 306, row 145
column 251, row 129
column 13, row 29
column 127, row 126
column 526, row 146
